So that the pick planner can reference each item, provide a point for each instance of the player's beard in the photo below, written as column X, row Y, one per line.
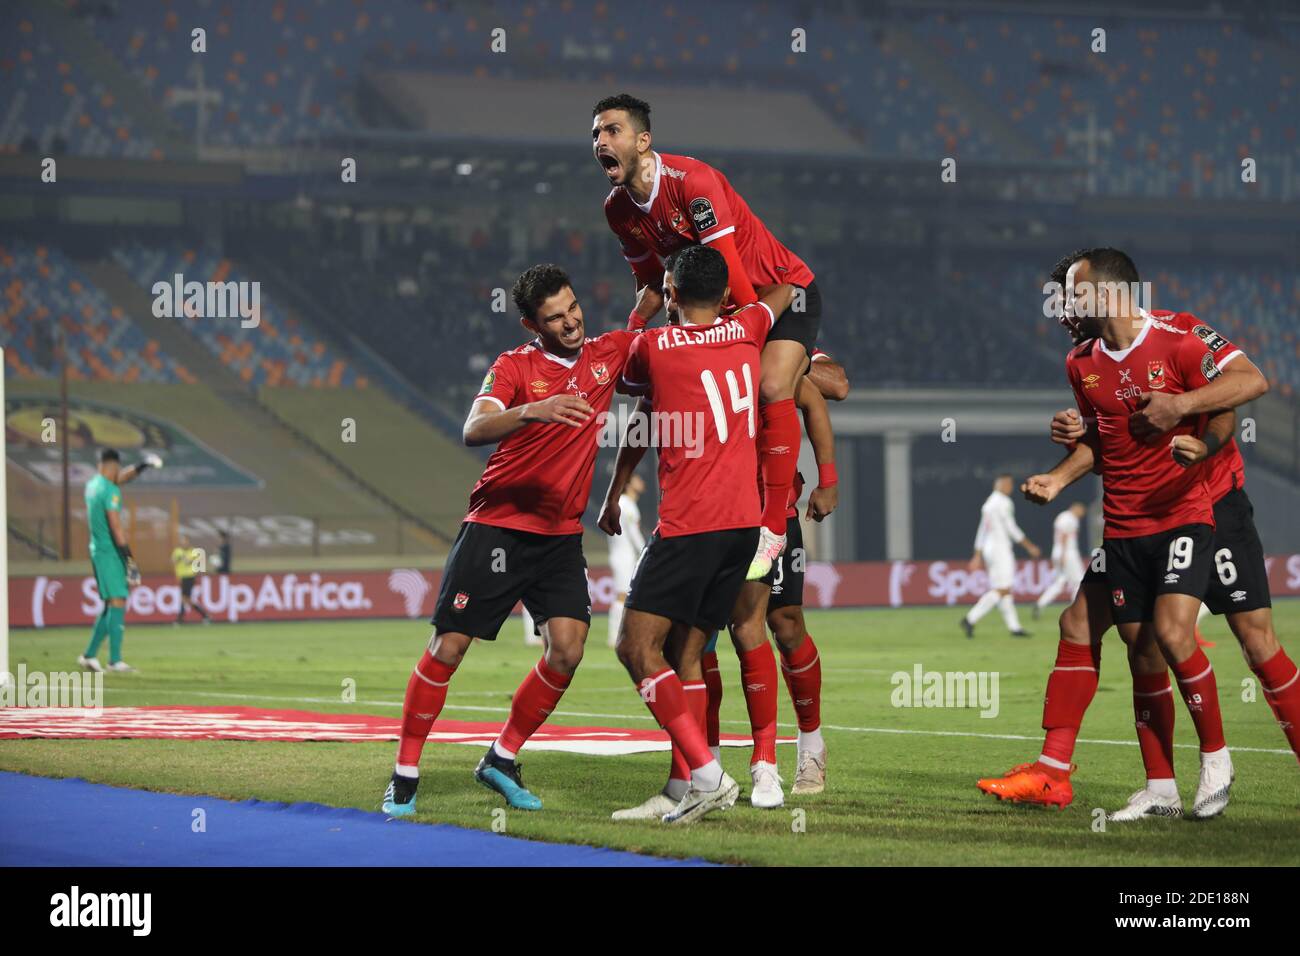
column 1088, row 327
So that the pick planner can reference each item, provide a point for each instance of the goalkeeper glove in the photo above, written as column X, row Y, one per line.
column 148, row 461
column 132, row 573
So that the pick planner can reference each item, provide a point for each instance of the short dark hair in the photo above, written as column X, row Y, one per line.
column 638, row 110
column 109, row 454
column 670, row 260
column 1108, row 265
column 536, row 285
column 700, row 276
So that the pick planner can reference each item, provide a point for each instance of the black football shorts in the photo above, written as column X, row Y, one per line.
column 1238, row 574
column 693, row 578
column 490, row 569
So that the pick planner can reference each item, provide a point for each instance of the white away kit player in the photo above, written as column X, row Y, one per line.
column 995, row 550
column 624, row 550
column 1067, row 565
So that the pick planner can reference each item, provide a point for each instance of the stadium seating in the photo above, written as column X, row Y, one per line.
column 45, row 294
column 279, row 350
column 1177, row 102
column 53, row 106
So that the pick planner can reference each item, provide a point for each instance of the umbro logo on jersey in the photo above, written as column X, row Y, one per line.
column 1238, row 596
column 1091, row 381
column 538, row 386
column 1171, row 577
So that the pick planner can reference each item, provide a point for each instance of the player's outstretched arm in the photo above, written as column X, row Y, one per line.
column 1041, row 489
column 777, row 298
column 823, row 499
column 625, row 463
column 130, row 474
column 1188, row 449
column 488, row 423
column 1239, row 382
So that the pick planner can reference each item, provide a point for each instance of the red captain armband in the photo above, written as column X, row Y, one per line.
column 634, row 321
column 826, row 475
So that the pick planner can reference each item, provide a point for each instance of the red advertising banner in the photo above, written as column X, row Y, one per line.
column 409, row 592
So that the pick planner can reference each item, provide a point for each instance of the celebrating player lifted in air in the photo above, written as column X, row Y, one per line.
column 661, row 202
column 115, row 568
column 541, row 404
column 1156, row 558
column 691, row 572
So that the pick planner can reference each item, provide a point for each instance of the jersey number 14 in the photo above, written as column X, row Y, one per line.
column 739, row 403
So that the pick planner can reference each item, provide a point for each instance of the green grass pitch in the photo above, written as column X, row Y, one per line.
column 901, row 785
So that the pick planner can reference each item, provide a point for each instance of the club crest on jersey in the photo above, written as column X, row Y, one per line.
column 460, row 601
column 1117, row 597
column 1156, row 374
column 489, row 380
column 1091, row 381
column 601, row 372
column 702, row 214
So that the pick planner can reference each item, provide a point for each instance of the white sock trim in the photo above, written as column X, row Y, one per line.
column 1193, row 680
column 537, row 669
column 407, row 770
column 1278, row 690
column 1153, row 693
column 1052, row 762
column 432, row 683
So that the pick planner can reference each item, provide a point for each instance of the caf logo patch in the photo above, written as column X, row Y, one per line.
column 489, row 380
column 1156, row 374
column 601, row 372
column 702, row 214
column 1212, row 339
column 1117, row 597
column 460, row 600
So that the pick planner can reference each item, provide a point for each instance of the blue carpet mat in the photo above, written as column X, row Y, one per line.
column 45, row 822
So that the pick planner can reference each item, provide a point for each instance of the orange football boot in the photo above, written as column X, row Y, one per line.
column 1025, row 783
column 1200, row 641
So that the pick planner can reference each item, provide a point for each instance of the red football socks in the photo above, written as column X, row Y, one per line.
column 1153, row 715
column 664, row 695
column 532, row 704
column 1070, row 689
column 1281, row 683
column 426, row 692
column 697, row 702
column 778, row 447
column 758, row 677
column 1201, row 695
column 713, row 681
column 802, row 670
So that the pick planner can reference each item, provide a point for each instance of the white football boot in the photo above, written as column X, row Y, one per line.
column 1145, row 803
column 653, row 809
column 697, row 803
column 1216, row 780
column 766, row 794
column 770, row 546
column 810, row 772
column 90, row 664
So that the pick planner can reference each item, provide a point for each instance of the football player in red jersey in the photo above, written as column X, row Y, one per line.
column 704, row 370
column 542, row 405
column 660, row 202
column 1074, row 680
column 800, row 659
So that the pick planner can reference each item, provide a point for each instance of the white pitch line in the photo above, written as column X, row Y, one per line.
column 580, row 713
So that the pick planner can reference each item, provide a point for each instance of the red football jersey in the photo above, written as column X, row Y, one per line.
column 1144, row 491
column 539, row 478
column 690, row 203
column 1227, row 470
column 702, row 381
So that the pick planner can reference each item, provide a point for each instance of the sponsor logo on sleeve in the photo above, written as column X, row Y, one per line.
column 489, row 380
column 1208, row 368
column 1212, row 339
column 702, row 214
